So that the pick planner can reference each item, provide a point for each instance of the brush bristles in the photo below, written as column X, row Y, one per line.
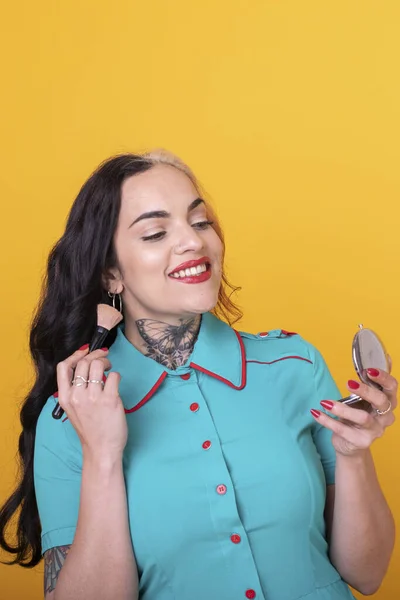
column 107, row 316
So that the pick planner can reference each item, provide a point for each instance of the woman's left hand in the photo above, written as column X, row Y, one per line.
column 356, row 429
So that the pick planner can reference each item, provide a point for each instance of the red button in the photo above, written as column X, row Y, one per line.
column 235, row 538
column 186, row 376
column 263, row 334
column 221, row 489
column 250, row 594
column 194, row 407
column 207, row 445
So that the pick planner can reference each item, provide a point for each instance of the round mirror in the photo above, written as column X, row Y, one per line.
column 368, row 352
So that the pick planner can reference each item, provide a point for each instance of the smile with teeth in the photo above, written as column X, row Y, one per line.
column 192, row 272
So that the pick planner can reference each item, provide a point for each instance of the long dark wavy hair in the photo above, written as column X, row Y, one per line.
column 66, row 316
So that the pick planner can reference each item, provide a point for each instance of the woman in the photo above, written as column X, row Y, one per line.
column 197, row 471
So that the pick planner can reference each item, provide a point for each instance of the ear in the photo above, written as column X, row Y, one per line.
column 112, row 281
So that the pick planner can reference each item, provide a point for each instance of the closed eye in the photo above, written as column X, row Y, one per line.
column 154, row 237
column 202, row 224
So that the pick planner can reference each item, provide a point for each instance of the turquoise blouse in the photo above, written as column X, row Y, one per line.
column 225, row 469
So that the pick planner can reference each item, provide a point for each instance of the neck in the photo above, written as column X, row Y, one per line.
column 170, row 345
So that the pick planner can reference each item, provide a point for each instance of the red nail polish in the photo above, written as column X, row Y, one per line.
column 104, row 349
column 315, row 413
column 55, row 395
column 104, row 378
column 373, row 372
column 84, row 347
column 328, row 404
column 353, row 385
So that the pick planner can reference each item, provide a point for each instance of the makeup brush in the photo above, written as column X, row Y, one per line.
column 107, row 318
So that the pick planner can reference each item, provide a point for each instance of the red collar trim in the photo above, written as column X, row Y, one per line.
column 159, row 381
column 148, row 395
column 243, row 375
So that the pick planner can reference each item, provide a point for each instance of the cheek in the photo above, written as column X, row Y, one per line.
column 213, row 241
column 139, row 260
column 216, row 246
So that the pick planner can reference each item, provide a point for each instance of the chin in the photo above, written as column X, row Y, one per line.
column 202, row 307
column 193, row 304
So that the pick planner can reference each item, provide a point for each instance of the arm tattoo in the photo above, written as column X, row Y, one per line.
column 169, row 345
column 53, row 562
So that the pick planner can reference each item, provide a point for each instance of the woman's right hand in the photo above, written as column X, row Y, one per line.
column 96, row 413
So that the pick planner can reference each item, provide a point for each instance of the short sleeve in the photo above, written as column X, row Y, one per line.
column 325, row 389
column 57, row 478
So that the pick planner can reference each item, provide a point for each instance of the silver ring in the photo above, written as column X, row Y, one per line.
column 383, row 412
column 96, row 381
column 79, row 384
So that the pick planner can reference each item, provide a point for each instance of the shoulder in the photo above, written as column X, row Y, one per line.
column 44, row 426
column 292, row 355
column 278, row 344
column 55, row 436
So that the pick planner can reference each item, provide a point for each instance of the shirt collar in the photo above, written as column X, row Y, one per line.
column 218, row 352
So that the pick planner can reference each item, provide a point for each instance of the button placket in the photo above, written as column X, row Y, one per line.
column 222, row 497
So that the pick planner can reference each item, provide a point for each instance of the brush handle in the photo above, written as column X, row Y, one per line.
column 98, row 338
column 97, row 342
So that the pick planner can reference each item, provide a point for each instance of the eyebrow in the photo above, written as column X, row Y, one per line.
column 163, row 214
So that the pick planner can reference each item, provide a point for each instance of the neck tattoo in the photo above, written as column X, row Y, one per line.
column 169, row 345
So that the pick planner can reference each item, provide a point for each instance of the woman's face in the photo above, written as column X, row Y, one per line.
column 169, row 256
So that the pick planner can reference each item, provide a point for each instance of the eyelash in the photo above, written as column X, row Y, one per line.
column 201, row 225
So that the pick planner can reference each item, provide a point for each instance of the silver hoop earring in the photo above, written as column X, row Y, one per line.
column 111, row 295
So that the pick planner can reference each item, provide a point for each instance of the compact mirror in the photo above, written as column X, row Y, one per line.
column 368, row 352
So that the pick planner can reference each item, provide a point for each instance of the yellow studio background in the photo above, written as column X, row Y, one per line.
column 288, row 112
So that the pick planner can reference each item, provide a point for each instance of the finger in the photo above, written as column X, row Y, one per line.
column 96, row 373
column 359, row 420
column 81, row 375
column 112, row 384
column 68, row 366
column 388, row 383
column 378, row 399
column 359, row 437
column 354, row 416
column 83, row 366
column 104, row 361
column 65, row 371
column 386, row 420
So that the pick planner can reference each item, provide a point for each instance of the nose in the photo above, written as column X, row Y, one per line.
column 189, row 240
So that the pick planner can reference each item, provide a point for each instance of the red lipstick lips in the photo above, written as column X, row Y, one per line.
column 192, row 263
column 197, row 278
